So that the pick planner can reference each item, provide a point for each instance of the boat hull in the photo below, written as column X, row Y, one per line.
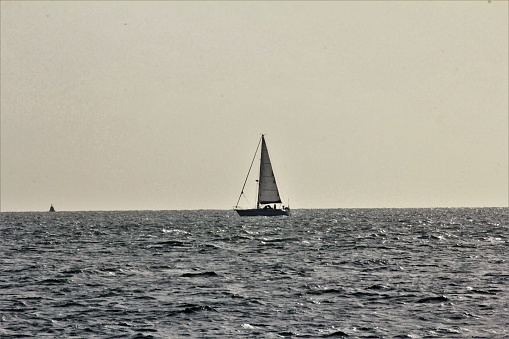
column 262, row 212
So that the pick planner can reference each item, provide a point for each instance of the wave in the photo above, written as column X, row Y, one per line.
column 200, row 274
column 190, row 309
column 428, row 300
column 335, row 334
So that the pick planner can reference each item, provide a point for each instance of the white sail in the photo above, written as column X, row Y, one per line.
column 268, row 192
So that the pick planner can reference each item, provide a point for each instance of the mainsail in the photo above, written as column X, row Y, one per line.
column 268, row 192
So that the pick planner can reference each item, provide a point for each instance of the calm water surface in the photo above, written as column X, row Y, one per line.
column 409, row 273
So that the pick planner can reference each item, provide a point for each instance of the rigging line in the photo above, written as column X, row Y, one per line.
column 247, row 200
column 245, row 181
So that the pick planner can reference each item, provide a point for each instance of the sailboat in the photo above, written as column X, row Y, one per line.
column 52, row 209
column 268, row 201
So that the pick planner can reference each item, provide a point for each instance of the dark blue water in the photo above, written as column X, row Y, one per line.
column 411, row 273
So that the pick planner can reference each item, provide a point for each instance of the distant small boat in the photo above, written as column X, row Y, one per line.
column 52, row 209
column 267, row 189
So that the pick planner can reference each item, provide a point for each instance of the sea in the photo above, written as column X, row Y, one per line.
column 319, row 273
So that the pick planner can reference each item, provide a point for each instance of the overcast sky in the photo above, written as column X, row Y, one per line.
column 160, row 105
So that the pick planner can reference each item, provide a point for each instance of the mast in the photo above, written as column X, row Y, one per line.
column 258, row 182
column 262, row 141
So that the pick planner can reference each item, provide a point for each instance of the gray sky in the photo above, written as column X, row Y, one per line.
column 160, row 105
